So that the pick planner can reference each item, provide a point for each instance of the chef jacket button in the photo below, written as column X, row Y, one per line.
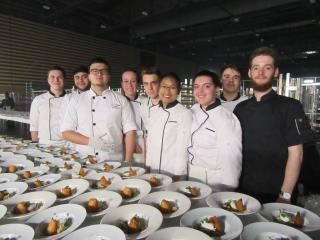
column 93, row 124
column 97, row 153
column 104, row 97
column 93, row 110
column 93, row 97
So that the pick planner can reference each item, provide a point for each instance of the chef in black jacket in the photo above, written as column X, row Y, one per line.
column 274, row 128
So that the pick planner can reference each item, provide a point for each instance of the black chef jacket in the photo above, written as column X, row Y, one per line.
column 269, row 127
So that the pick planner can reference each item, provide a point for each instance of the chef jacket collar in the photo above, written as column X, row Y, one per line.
column 135, row 97
column 170, row 105
column 61, row 95
column 224, row 99
column 93, row 94
column 213, row 105
column 266, row 97
column 150, row 104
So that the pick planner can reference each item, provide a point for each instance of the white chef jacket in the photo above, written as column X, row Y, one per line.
column 45, row 117
column 168, row 138
column 92, row 115
column 146, row 110
column 231, row 105
column 216, row 144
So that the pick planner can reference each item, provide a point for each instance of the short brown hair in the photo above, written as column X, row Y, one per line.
column 231, row 66
column 266, row 51
column 151, row 70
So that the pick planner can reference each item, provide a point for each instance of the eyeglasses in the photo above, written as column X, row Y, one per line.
column 97, row 72
column 172, row 88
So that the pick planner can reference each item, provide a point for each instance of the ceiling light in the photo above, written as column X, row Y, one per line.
column 236, row 19
column 312, row 1
column 102, row 26
column 142, row 37
column 145, row 13
column 171, row 46
column 182, row 29
column 46, row 7
column 193, row 54
column 311, row 52
column 257, row 34
column 261, row 40
column 209, row 40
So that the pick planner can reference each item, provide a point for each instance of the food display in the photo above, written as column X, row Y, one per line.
column 103, row 182
column 12, row 169
column 26, row 207
column 135, row 225
column 94, row 205
column 5, row 194
column 26, row 175
column 57, row 225
column 168, row 206
column 128, row 192
column 191, row 191
column 66, row 192
column 292, row 219
column 234, row 205
column 154, row 181
column 130, row 173
column 211, row 226
column 107, row 167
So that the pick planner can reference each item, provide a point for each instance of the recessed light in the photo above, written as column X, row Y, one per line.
column 102, row 26
column 142, row 37
column 46, row 7
column 182, row 29
column 261, row 40
column 209, row 40
column 145, row 13
column 257, row 34
column 310, row 52
column 236, row 19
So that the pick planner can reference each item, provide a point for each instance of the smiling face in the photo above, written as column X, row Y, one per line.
column 230, row 80
column 262, row 72
column 129, row 84
column 168, row 91
column 55, row 80
column 81, row 80
column 204, row 91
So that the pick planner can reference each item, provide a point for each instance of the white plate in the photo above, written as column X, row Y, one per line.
column 8, row 177
column 268, row 230
column 232, row 224
column 99, row 166
column 181, row 201
column 79, row 186
column 180, row 186
column 46, row 198
column 216, row 199
column 178, row 233
column 3, row 210
column 141, row 186
column 14, row 157
column 112, row 177
column 75, row 167
column 35, row 172
column 29, row 151
column 48, row 179
column 123, row 171
column 16, row 187
column 39, row 221
column 20, row 164
column 89, row 173
column 4, row 155
column 311, row 220
column 50, row 161
column 112, row 200
column 164, row 180
column 97, row 232
column 151, row 215
column 16, row 231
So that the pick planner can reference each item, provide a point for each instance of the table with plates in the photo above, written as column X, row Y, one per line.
column 87, row 198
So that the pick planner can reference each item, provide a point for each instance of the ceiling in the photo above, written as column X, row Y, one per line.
column 209, row 32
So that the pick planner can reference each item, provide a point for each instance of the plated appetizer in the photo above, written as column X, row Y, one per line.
column 154, row 181
column 103, row 182
column 12, row 169
column 107, row 167
column 4, row 195
column 66, row 192
column 58, row 225
column 190, row 191
column 26, row 207
column 168, row 207
column 129, row 192
column 135, row 225
column 94, row 205
column 292, row 219
column 131, row 173
column 234, row 205
column 211, row 226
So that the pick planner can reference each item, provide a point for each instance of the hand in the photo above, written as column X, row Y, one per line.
column 101, row 144
column 282, row 200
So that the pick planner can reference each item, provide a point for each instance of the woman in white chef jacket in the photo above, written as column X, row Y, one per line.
column 45, row 116
column 169, row 131
column 215, row 153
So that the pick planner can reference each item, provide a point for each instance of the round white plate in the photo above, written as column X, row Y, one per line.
column 29, row 151
column 181, row 201
column 4, row 155
column 40, row 221
column 75, row 167
column 311, row 221
column 100, row 166
column 123, row 171
column 109, row 198
column 20, row 164
column 151, row 215
column 78, row 187
column 164, row 180
column 35, row 172
column 48, row 179
column 141, row 186
column 217, row 199
column 97, row 232
column 3, row 211
column 175, row 233
column 16, row 231
column 46, row 198
column 268, row 230
column 94, row 179
column 89, row 173
column 14, row 157
column 180, row 186
column 50, row 161
column 8, row 177
column 232, row 224
column 13, row 187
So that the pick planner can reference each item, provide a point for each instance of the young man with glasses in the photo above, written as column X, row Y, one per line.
column 99, row 119
column 231, row 81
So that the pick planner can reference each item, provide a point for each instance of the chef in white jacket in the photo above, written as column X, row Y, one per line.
column 98, row 120
column 215, row 153
column 129, row 85
column 169, row 132
column 45, row 116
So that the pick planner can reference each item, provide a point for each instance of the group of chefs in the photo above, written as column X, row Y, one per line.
column 229, row 142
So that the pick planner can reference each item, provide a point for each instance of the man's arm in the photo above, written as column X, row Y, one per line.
column 75, row 137
column 130, row 145
column 34, row 136
column 293, row 166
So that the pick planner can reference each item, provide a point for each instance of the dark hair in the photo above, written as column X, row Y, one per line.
column 80, row 68
column 231, row 66
column 100, row 60
column 59, row 68
column 130, row 70
column 266, row 51
column 213, row 76
column 173, row 76
column 151, row 70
